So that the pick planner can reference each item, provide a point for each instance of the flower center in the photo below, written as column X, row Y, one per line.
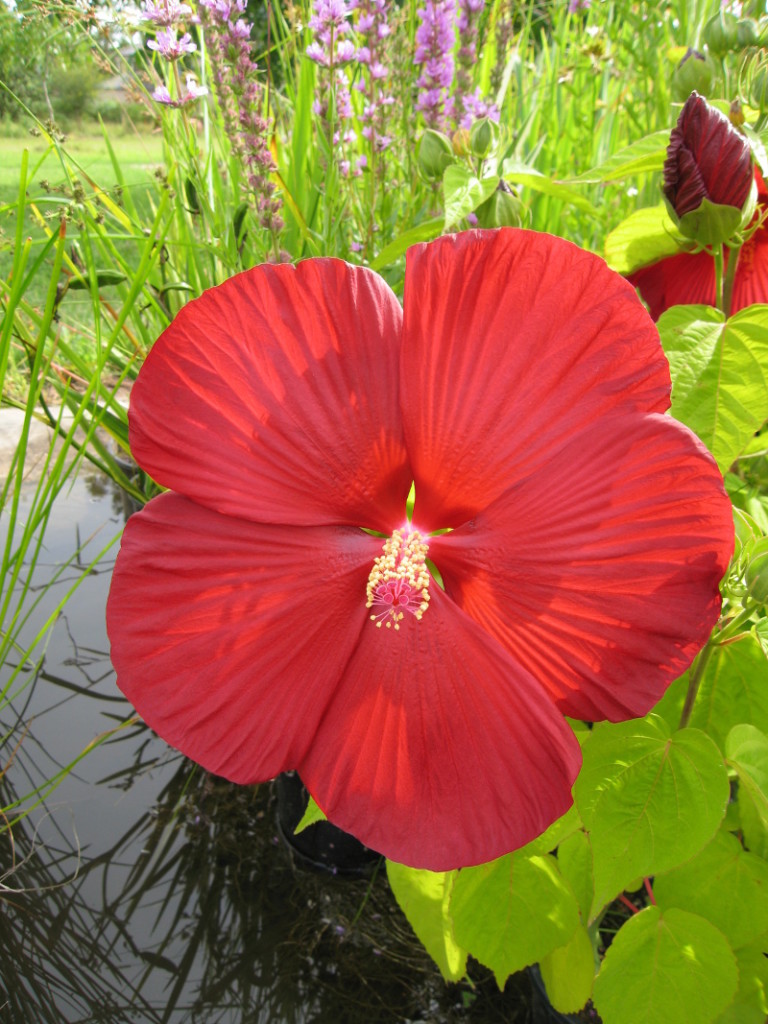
column 399, row 580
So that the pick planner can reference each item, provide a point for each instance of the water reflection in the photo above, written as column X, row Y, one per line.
column 144, row 889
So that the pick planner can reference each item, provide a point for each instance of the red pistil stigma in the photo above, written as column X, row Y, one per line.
column 399, row 580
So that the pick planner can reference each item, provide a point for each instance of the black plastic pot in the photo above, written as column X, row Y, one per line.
column 322, row 846
column 543, row 1011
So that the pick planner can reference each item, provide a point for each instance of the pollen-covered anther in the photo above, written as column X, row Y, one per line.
column 399, row 580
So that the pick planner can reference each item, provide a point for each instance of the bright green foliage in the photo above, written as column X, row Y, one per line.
column 647, row 154
column 510, row 913
column 424, row 897
column 723, row 883
column 668, row 967
column 719, row 374
column 734, row 689
column 646, row 236
column 574, row 856
column 464, row 193
column 650, row 800
column 311, row 815
column 569, row 972
column 746, row 750
column 750, row 1006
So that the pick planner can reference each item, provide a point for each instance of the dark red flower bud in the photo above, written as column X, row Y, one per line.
column 706, row 159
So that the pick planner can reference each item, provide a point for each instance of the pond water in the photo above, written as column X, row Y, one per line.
column 143, row 889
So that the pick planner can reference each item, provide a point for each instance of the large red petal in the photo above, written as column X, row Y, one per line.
column 600, row 574
column 513, row 343
column 751, row 281
column 685, row 279
column 437, row 750
column 274, row 397
column 229, row 636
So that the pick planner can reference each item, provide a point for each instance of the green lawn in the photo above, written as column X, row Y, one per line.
column 137, row 155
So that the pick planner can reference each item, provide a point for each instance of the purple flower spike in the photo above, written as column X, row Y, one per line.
column 434, row 49
column 169, row 47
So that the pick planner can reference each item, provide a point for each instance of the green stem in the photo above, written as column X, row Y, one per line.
column 718, row 255
column 694, row 682
column 730, row 275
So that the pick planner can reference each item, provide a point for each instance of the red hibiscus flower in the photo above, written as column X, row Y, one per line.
column 689, row 278
column 278, row 610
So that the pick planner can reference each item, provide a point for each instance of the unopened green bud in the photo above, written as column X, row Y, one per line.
column 721, row 33
column 694, row 72
column 460, row 142
column 746, row 33
column 756, row 576
column 483, row 136
column 435, row 154
column 502, row 210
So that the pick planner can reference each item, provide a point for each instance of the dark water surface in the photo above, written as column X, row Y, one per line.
column 144, row 889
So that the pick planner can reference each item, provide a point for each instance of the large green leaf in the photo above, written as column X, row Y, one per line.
column 746, row 750
column 723, row 883
column 518, row 173
column 510, row 913
column 650, row 800
column 647, row 154
column 569, row 972
column 734, row 690
column 424, row 898
column 423, row 232
column 646, row 236
column 464, row 192
column 719, row 374
column 751, row 1003
column 574, row 855
column 666, row 968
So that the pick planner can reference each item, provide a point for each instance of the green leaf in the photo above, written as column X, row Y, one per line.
column 423, row 232
column 424, row 897
column 510, row 913
column 647, row 154
column 574, row 857
column 666, row 968
column 518, row 173
column 650, row 800
column 464, row 192
column 104, row 278
column 719, row 374
column 310, row 816
column 559, row 830
column 724, row 884
column 751, row 1003
column 568, row 972
column 746, row 750
column 734, row 690
column 646, row 236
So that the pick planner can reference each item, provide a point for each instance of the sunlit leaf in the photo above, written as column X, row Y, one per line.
column 751, row 1003
column 650, row 800
column 723, row 883
column 464, row 192
column 646, row 236
column 746, row 750
column 574, row 857
column 424, row 897
column 519, row 174
column 510, row 913
column 719, row 374
column 311, row 815
column 666, row 968
column 647, row 154
column 569, row 972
